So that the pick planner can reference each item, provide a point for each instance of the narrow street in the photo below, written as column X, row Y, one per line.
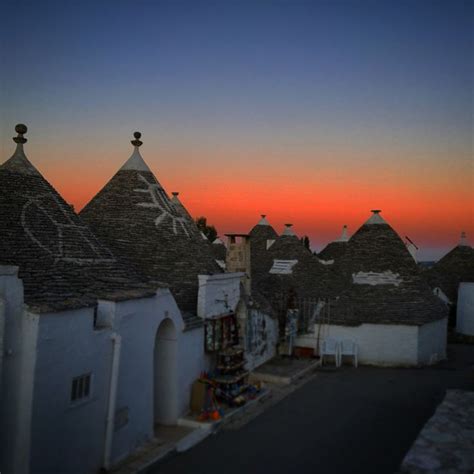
column 346, row 421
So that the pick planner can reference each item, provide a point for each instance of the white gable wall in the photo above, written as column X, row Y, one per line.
column 465, row 309
column 192, row 360
column 19, row 344
column 378, row 344
column 137, row 322
column 260, row 337
column 66, row 436
column 432, row 340
column 218, row 294
column 388, row 344
column 69, row 437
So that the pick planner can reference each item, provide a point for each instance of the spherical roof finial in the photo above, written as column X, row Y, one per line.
column 137, row 141
column 21, row 129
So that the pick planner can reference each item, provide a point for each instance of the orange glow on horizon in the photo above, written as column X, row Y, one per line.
column 318, row 204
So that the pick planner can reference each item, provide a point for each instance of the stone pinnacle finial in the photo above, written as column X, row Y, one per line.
column 376, row 211
column 175, row 193
column 21, row 129
column 289, row 225
column 137, row 141
column 263, row 216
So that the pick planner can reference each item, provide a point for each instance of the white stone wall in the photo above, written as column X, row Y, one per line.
column 465, row 309
column 70, row 437
column 137, row 321
column 192, row 360
column 218, row 294
column 378, row 344
column 260, row 338
column 19, row 353
column 432, row 340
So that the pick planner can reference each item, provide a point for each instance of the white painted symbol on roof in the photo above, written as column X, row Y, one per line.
column 47, row 206
column 283, row 267
column 159, row 201
column 376, row 278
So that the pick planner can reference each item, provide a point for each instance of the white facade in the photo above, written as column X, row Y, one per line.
column 155, row 363
column 260, row 337
column 388, row 344
column 223, row 294
column 465, row 309
column 219, row 294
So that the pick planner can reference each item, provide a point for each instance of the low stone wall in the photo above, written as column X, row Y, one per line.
column 446, row 442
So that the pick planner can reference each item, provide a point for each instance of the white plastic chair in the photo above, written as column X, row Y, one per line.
column 348, row 347
column 330, row 347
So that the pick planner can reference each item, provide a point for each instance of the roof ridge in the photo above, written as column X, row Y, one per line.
column 18, row 162
column 376, row 218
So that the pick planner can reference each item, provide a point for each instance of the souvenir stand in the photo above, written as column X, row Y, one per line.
column 230, row 377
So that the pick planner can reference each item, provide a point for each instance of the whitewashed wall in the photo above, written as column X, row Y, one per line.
column 260, row 337
column 465, row 309
column 222, row 293
column 56, row 348
column 389, row 345
column 218, row 294
column 137, row 321
column 379, row 344
column 20, row 329
column 67, row 437
column 432, row 340
column 192, row 360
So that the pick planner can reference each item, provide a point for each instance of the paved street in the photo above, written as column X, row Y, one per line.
column 348, row 421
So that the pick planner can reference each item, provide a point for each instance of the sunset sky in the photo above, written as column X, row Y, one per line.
column 310, row 112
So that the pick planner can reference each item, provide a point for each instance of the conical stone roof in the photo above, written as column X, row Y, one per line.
column 308, row 278
column 384, row 284
column 62, row 264
column 135, row 217
column 180, row 207
column 336, row 249
column 455, row 267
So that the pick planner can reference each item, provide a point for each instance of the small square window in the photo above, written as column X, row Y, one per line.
column 80, row 387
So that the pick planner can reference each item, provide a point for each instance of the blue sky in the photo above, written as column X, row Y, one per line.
column 313, row 84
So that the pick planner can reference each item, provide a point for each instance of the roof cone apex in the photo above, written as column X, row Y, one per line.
column 288, row 230
column 344, row 236
column 19, row 163
column 376, row 218
column 135, row 162
column 263, row 220
column 463, row 240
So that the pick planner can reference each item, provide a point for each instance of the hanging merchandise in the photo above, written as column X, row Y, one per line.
column 221, row 333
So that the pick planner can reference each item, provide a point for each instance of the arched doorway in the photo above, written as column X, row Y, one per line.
column 166, row 374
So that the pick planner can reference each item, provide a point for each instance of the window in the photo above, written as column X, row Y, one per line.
column 283, row 267
column 81, row 387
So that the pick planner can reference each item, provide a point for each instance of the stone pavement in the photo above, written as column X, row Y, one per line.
column 284, row 370
column 339, row 421
column 170, row 440
column 446, row 443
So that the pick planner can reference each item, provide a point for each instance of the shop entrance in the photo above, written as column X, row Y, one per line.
column 165, row 374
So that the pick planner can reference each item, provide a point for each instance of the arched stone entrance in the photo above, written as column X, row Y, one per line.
column 166, row 374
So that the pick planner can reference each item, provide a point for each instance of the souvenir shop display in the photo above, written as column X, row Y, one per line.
column 221, row 333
